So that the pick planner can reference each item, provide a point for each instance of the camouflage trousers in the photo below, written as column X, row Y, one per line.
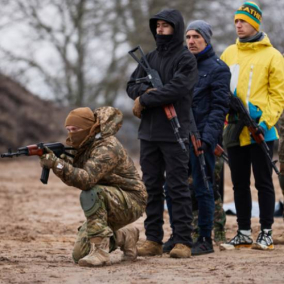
column 219, row 213
column 117, row 209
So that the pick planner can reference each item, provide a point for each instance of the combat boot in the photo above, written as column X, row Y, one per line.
column 169, row 244
column 180, row 251
column 99, row 253
column 150, row 248
column 126, row 239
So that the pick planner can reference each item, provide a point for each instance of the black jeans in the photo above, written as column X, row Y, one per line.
column 156, row 159
column 240, row 160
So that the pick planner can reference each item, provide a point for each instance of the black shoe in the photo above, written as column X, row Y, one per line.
column 168, row 245
column 202, row 246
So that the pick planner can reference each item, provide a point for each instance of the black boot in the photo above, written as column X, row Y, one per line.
column 168, row 245
column 202, row 246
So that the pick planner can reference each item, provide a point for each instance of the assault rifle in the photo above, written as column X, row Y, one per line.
column 196, row 142
column 246, row 120
column 39, row 150
column 153, row 77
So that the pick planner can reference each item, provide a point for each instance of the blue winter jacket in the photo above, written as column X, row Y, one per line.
column 210, row 97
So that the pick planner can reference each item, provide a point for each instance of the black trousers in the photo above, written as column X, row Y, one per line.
column 156, row 159
column 241, row 160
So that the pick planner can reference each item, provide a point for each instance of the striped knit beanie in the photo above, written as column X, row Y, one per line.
column 251, row 13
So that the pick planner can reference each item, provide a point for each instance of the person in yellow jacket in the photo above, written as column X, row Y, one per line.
column 257, row 70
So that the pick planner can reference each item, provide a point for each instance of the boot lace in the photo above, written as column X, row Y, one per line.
column 240, row 239
column 264, row 238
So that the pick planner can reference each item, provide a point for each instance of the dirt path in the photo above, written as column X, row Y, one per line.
column 38, row 226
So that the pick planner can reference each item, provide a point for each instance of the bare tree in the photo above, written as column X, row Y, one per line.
column 273, row 24
column 86, row 42
column 76, row 50
column 71, row 31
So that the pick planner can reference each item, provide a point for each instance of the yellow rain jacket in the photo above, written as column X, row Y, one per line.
column 257, row 70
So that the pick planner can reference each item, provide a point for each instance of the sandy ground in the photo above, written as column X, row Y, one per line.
column 38, row 225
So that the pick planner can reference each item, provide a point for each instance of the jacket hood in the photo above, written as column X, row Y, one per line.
column 265, row 42
column 175, row 18
column 110, row 120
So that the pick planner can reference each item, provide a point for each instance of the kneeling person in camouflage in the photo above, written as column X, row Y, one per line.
column 113, row 194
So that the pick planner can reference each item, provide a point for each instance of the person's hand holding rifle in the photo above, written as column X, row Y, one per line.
column 220, row 152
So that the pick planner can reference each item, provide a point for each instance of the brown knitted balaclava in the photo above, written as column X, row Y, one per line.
column 83, row 118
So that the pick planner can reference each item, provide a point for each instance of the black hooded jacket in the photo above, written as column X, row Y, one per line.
column 178, row 71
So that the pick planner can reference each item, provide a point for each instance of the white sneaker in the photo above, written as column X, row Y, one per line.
column 239, row 241
column 264, row 240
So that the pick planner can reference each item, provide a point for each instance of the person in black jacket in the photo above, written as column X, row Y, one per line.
column 159, row 151
column 210, row 106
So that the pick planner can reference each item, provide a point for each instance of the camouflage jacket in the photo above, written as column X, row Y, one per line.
column 281, row 139
column 103, row 160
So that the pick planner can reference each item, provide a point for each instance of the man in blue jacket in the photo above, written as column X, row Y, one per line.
column 210, row 106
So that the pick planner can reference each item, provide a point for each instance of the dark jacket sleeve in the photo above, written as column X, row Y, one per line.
column 135, row 90
column 219, row 105
column 183, row 81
